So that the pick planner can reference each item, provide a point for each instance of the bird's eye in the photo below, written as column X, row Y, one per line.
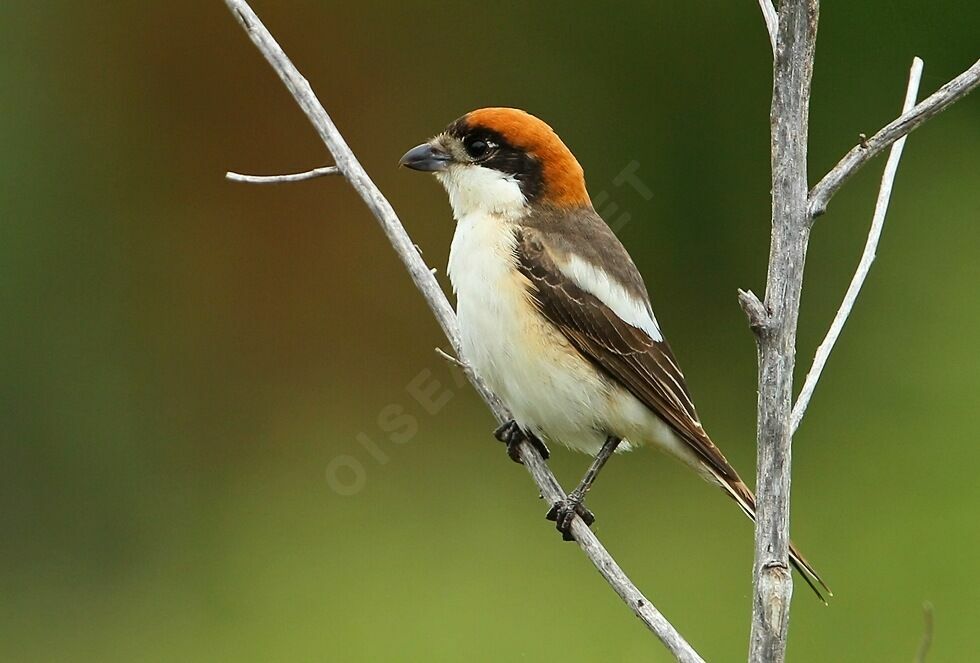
column 478, row 148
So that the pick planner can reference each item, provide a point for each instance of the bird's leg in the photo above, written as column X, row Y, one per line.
column 512, row 435
column 564, row 512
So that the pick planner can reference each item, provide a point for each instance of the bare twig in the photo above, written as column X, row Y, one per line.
column 792, row 72
column 928, row 618
column 429, row 287
column 929, row 107
column 868, row 257
column 772, row 22
column 755, row 311
column 451, row 359
column 281, row 179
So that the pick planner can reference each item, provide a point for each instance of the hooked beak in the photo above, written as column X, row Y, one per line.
column 426, row 157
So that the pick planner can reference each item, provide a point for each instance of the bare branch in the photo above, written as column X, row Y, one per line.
column 772, row 22
column 281, row 179
column 789, row 119
column 868, row 257
column 348, row 165
column 931, row 106
column 429, row 287
column 928, row 618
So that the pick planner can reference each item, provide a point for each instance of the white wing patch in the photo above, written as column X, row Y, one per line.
column 597, row 282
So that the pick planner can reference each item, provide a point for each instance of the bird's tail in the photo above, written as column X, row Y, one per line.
column 743, row 496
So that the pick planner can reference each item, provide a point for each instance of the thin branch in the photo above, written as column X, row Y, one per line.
column 928, row 618
column 429, row 287
column 931, row 106
column 868, row 257
column 281, row 179
column 772, row 22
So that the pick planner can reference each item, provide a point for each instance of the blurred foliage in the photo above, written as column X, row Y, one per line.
column 183, row 358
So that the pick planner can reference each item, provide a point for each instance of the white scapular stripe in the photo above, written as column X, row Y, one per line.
column 596, row 281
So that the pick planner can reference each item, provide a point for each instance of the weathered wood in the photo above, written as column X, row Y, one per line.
column 789, row 117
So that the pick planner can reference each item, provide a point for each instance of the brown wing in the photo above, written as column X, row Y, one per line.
column 645, row 367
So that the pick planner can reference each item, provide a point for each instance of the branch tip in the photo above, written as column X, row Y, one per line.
column 282, row 179
column 451, row 359
column 864, row 264
column 755, row 311
column 928, row 619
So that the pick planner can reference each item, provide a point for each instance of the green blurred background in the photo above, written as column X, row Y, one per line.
column 184, row 359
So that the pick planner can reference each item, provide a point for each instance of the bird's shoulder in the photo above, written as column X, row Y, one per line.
column 580, row 235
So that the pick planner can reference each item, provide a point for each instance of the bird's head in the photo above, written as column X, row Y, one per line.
column 501, row 161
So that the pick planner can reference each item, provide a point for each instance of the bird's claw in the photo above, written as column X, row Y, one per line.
column 563, row 513
column 511, row 434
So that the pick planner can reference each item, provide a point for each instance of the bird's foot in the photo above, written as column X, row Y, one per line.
column 563, row 513
column 512, row 435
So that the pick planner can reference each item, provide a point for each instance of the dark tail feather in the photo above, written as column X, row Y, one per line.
column 739, row 492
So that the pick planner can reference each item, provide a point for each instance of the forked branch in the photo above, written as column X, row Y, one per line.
column 910, row 120
column 793, row 211
column 421, row 275
column 772, row 22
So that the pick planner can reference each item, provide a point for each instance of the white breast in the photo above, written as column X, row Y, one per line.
column 528, row 363
column 548, row 386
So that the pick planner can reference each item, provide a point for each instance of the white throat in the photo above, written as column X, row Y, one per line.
column 482, row 191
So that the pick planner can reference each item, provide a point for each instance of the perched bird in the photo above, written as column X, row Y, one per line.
column 553, row 313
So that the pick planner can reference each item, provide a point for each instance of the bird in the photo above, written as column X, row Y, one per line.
column 553, row 314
